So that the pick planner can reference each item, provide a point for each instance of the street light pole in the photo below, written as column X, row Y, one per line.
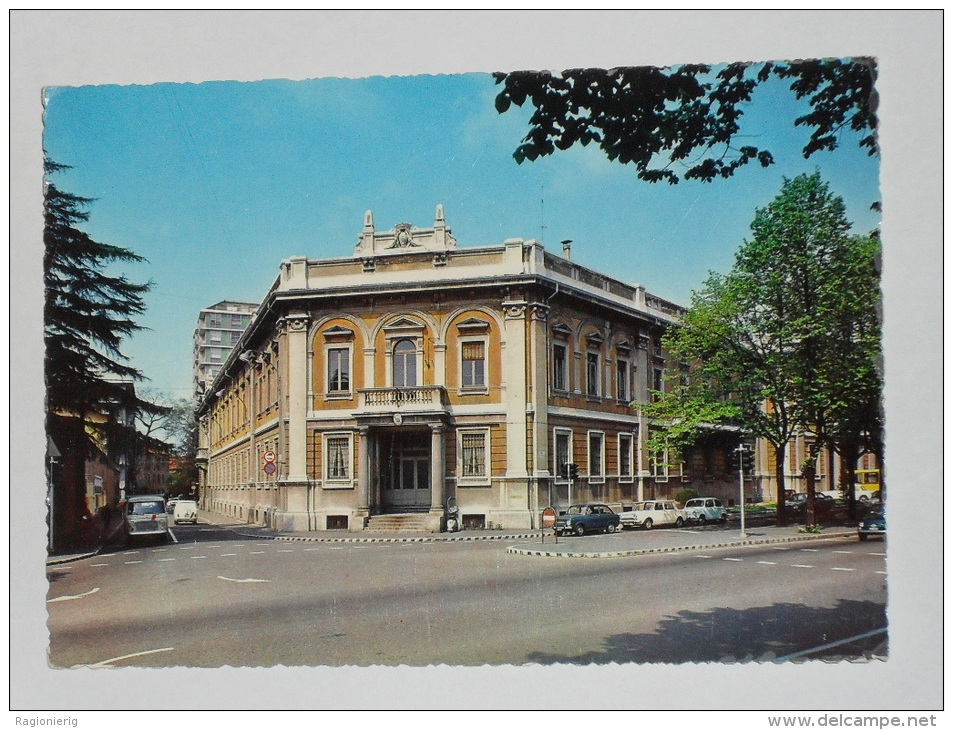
column 740, row 451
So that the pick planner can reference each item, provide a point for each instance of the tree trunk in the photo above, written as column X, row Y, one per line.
column 779, row 451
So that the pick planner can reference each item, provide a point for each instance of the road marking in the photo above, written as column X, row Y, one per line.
column 360, row 547
column 808, row 550
column 311, row 550
column 186, row 547
column 119, row 658
column 161, row 550
column 198, row 557
column 133, row 562
column 846, row 570
column 256, row 552
column 766, row 562
column 882, row 555
column 72, row 598
column 228, row 555
column 131, row 552
column 285, row 551
column 244, row 580
column 174, row 538
column 881, row 572
column 798, row 565
column 99, row 565
column 844, row 552
column 780, row 548
column 166, row 560
column 337, row 548
column 704, row 556
column 733, row 560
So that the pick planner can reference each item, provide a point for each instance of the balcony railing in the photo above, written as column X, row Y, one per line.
column 420, row 398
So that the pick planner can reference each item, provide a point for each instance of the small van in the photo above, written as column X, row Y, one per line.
column 705, row 509
column 145, row 516
column 186, row 510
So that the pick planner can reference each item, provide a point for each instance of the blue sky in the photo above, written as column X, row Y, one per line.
column 216, row 183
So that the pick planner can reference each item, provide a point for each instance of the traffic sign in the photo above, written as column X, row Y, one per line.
column 269, row 457
column 270, row 467
column 549, row 517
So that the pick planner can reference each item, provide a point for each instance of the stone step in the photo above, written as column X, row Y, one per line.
column 398, row 523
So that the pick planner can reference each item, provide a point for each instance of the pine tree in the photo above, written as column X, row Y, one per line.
column 87, row 311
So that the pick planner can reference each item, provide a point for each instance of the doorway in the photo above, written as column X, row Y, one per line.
column 405, row 471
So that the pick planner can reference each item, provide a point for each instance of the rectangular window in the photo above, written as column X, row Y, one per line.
column 236, row 320
column 474, row 364
column 596, row 456
column 337, row 457
column 473, row 450
column 339, row 370
column 592, row 373
column 622, row 380
column 559, row 367
column 625, row 457
column 660, row 465
column 563, row 455
column 656, row 382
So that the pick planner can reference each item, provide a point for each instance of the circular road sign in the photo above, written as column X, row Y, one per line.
column 270, row 467
column 549, row 517
column 269, row 457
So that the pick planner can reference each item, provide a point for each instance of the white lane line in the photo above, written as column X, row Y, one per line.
column 174, row 538
column 704, row 556
column 131, row 552
column 733, row 560
column 880, row 572
column 799, row 565
column 766, row 562
column 337, row 548
column 99, row 565
column 256, row 552
column 311, row 550
column 72, row 598
column 120, row 658
column 133, row 562
column 780, row 548
column 808, row 550
column 186, row 547
column 286, row 551
column 846, row 570
column 882, row 555
column 360, row 547
column 244, row 580
column 166, row 560
column 198, row 557
column 228, row 555
column 843, row 552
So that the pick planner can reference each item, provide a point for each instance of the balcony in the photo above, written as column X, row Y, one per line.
column 421, row 398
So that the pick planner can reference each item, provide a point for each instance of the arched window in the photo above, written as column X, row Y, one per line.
column 405, row 364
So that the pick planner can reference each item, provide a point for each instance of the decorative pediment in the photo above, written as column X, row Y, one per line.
column 472, row 325
column 594, row 339
column 402, row 327
column 562, row 331
column 405, row 238
column 338, row 333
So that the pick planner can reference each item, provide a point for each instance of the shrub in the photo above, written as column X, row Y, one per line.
column 684, row 495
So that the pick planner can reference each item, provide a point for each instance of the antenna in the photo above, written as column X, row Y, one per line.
column 542, row 216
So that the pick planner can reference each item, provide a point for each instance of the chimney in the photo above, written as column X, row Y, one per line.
column 567, row 248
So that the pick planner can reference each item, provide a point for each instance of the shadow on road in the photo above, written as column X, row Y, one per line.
column 754, row 634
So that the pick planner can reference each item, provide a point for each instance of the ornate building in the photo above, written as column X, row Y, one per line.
column 414, row 372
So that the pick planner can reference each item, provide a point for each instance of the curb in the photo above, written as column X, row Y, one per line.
column 676, row 548
column 417, row 538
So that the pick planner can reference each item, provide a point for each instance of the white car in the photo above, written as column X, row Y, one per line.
column 705, row 509
column 145, row 516
column 186, row 510
column 652, row 513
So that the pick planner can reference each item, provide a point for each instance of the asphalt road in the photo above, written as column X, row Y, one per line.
column 212, row 599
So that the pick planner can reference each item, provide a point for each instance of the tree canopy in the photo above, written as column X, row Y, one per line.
column 657, row 118
column 87, row 312
column 789, row 339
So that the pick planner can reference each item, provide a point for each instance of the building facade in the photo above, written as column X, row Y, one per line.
column 413, row 373
column 217, row 331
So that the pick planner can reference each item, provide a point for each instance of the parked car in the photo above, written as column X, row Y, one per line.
column 873, row 524
column 145, row 516
column 186, row 510
column 582, row 518
column 705, row 509
column 170, row 505
column 797, row 505
column 653, row 513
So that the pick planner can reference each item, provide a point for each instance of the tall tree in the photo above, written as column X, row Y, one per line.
column 788, row 340
column 657, row 118
column 88, row 311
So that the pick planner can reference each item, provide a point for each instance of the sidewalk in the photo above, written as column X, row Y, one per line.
column 532, row 543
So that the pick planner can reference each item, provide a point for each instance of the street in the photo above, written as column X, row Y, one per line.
column 212, row 598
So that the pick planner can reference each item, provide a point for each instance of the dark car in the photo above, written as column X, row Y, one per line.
column 797, row 505
column 582, row 518
column 873, row 524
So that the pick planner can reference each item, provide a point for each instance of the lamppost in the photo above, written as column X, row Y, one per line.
column 745, row 459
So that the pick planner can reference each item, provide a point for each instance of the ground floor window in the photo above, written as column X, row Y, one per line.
column 596, row 456
column 474, row 456
column 337, row 457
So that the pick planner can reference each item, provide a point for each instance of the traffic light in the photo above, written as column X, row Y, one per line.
column 747, row 460
column 735, row 464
